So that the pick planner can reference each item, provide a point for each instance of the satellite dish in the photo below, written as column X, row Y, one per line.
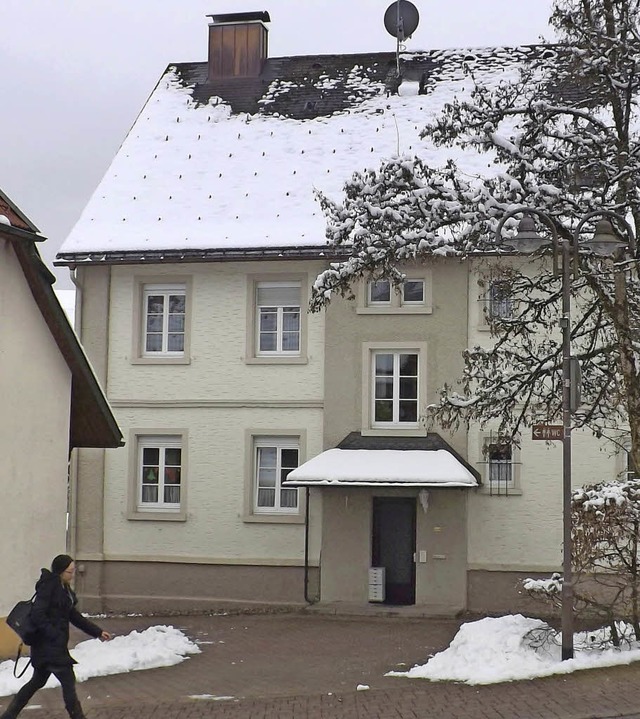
column 401, row 19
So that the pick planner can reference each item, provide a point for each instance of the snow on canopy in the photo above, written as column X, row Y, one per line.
column 192, row 174
column 383, row 467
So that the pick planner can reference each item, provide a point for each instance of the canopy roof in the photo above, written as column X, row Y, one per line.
column 383, row 468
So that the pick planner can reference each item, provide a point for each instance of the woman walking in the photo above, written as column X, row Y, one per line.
column 54, row 607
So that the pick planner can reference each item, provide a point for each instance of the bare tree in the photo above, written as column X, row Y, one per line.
column 566, row 137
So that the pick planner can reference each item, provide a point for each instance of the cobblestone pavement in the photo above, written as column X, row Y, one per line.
column 300, row 666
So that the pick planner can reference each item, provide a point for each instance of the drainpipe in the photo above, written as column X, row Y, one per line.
column 306, row 548
column 73, row 455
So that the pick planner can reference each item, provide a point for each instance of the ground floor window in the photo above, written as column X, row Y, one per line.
column 275, row 458
column 159, row 473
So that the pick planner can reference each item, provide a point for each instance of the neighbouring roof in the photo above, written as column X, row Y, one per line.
column 92, row 421
column 213, row 171
column 374, row 461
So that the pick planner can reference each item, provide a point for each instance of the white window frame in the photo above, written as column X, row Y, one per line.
column 396, row 304
column 395, row 399
column 279, row 307
column 280, row 444
column 494, row 485
column 162, row 443
column 376, row 302
column 414, row 303
column 166, row 291
column 407, row 429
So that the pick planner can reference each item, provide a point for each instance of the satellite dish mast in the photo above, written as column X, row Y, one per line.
column 401, row 20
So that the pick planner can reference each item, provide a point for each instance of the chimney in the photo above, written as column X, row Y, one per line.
column 237, row 44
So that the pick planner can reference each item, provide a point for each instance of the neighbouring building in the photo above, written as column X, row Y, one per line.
column 51, row 405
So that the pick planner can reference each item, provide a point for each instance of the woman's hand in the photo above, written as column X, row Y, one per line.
column 105, row 636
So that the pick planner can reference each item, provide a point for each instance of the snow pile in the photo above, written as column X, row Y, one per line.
column 496, row 650
column 159, row 646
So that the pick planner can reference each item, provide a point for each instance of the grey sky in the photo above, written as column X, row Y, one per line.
column 75, row 73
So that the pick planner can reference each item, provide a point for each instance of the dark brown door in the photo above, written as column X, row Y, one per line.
column 394, row 546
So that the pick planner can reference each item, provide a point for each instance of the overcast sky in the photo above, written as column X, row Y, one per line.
column 75, row 73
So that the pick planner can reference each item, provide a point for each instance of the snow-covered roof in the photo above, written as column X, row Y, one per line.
column 234, row 165
column 383, row 468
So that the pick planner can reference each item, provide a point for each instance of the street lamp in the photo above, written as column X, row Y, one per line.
column 604, row 243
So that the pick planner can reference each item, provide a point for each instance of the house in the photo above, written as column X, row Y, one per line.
column 277, row 456
column 52, row 404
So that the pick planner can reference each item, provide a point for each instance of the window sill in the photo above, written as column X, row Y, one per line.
column 273, row 518
column 276, row 360
column 501, row 492
column 161, row 360
column 404, row 310
column 394, row 430
column 158, row 516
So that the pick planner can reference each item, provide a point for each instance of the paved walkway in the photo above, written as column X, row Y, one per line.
column 301, row 666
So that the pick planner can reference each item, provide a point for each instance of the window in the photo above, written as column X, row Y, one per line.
column 380, row 292
column 500, row 304
column 159, row 474
column 274, row 458
column 500, row 458
column 413, row 292
column 500, row 464
column 413, row 295
column 278, row 318
column 395, row 388
column 164, row 315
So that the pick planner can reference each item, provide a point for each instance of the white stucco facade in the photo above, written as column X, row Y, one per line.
column 35, row 387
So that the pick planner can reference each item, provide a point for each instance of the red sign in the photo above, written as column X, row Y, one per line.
column 547, row 432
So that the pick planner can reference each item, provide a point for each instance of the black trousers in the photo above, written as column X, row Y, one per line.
column 64, row 675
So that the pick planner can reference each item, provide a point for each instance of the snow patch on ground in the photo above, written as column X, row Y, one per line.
column 159, row 646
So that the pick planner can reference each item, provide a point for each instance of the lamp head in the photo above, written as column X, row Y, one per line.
column 606, row 242
column 527, row 239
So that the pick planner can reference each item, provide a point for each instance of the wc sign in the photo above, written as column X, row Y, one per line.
column 547, row 432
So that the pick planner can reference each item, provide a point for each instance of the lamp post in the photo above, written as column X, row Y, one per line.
column 605, row 243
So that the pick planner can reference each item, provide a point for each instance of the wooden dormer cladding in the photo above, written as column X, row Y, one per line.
column 237, row 44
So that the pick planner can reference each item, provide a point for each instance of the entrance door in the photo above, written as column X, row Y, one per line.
column 393, row 546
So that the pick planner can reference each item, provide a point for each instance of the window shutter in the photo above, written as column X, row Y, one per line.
column 270, row 296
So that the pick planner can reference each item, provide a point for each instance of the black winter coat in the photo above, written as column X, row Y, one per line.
column 53, row 608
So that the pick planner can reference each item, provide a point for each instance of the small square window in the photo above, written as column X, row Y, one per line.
column 380, row 292
column 413, row 292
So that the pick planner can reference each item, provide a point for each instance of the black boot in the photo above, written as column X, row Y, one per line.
column 75, row 713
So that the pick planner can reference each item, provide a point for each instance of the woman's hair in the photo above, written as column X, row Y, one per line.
column 60, row 563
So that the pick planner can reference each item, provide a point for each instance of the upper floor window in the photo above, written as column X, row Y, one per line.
column 164, row 320
column 379, row 292
column 395, row 388
column 413, row 295
column 278, row 318
column 413, row 292
column 275, row 458
column 499, row 301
